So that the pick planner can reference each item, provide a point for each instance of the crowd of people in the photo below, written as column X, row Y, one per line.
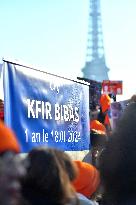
column 48, row 176
column 45, row 176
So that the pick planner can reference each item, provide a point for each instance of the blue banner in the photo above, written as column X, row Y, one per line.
column 44, row 109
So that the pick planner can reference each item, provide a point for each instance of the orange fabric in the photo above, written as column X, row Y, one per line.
column 8, row 139
column 105, row 102
column 107, row 120
column 87, row 180
column 96, row 125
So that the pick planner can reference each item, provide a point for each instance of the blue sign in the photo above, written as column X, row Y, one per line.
column 44, row 109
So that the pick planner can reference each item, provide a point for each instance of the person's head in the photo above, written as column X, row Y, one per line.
column 67, row 163
column 8, row 140
column 87, row 180
column 98, row 140
column 117, row 162
column 133, row 98
column 46, row 177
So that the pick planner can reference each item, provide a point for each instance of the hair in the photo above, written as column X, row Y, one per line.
column 67, row 163
column 1, row 101
column 47, row 177
column 133, row 98
column 117, row 162
column 98, row 139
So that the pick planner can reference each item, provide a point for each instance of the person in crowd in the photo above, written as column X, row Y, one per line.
column 133, row 98
column 47, row 181
column 103, row 115
column 98, row 139
column 73, row 170
column 117, row 162
column 88, row 179
column 8, row 140
column 66, row 162
column 98, row 143
column 100, row 130
column 11, row 167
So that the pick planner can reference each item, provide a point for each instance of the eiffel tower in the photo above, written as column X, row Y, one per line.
column 95, row 66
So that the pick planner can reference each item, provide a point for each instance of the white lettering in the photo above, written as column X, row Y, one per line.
column 71, row 113
column 66, row 115
column 54, row 87
column 38, row 109
column 43, row 112
column 63, row 112
column 36, row 137
column 44, row 136
column 48, row 110
column 57, row 112
column 76, row 115
column 30, row 110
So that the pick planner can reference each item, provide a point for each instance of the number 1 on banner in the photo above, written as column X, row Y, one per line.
column 26, row 134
